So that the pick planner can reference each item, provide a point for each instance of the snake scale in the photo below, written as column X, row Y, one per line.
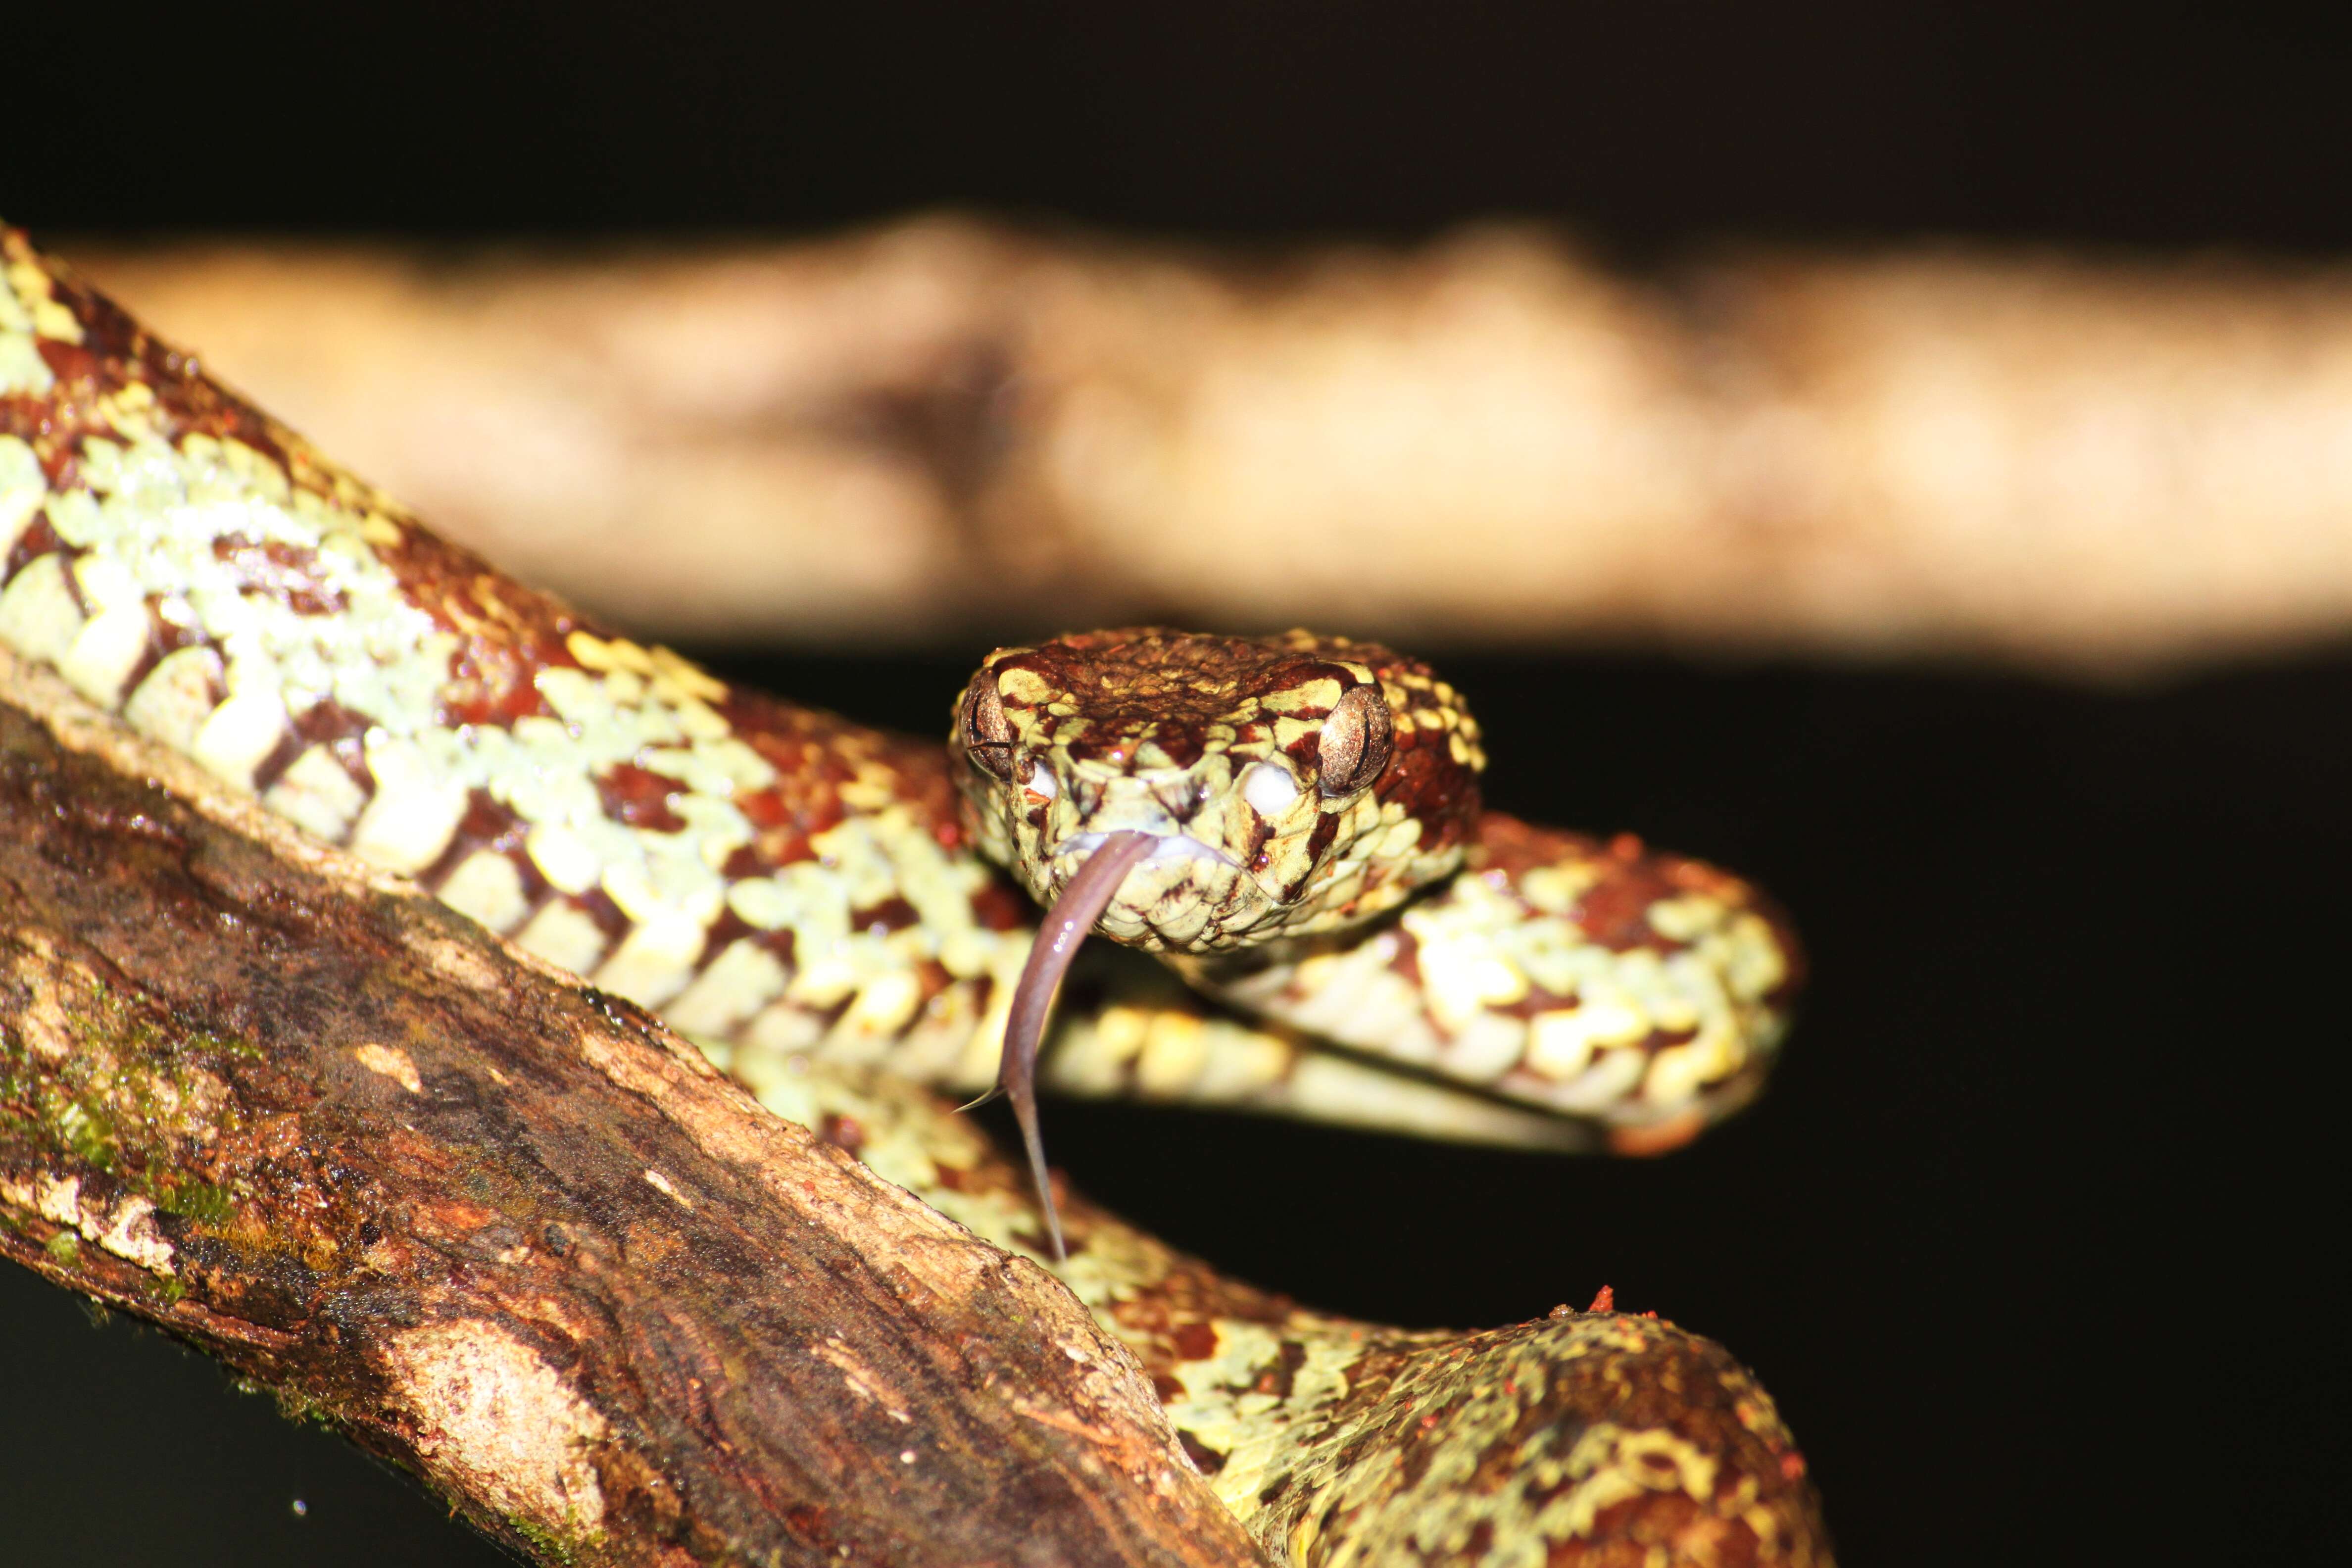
column 811, row 901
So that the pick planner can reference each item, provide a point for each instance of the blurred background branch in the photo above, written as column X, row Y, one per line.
column 945, row 430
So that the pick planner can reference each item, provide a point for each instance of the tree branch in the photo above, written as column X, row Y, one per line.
column 946, row 429
column 506, row 1231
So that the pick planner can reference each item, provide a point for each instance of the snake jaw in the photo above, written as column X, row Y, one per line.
column 1225, row 874
column 1170, row 899
column 1172, row 846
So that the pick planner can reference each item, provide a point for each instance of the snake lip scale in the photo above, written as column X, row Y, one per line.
column 831, row 911
column 1173, row 845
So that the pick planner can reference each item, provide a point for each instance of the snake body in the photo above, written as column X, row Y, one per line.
column 811, row 900
column 1270, row 800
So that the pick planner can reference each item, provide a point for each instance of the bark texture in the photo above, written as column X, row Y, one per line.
column 952, row 430
column 507, row 1231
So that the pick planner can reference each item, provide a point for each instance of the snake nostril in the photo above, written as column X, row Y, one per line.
column 1181, row 798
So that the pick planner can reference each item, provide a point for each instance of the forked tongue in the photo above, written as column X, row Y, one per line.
column 1067, row 924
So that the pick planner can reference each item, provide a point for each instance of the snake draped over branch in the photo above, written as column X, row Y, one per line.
column 839, row 915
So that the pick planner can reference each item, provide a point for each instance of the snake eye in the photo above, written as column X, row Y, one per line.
column 1355, row 743
column 987, row 733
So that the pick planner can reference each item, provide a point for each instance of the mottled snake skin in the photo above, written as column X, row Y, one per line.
column 805, row 896
column 1634, row 994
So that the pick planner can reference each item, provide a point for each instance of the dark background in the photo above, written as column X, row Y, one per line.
column 2037, row 1237
column 1641, row 125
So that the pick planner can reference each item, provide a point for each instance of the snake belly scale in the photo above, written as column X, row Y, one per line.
column 816, row 902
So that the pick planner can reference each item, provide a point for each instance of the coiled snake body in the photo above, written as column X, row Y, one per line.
column 1281, row 796
column 811, row 900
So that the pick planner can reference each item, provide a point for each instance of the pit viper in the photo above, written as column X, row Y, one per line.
column 837, row 915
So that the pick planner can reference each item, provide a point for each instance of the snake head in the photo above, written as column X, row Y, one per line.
column 1296, row 783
